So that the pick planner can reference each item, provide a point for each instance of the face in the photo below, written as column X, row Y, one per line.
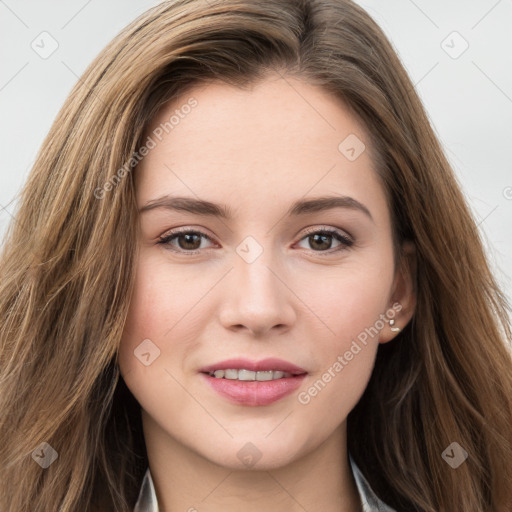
column 313, row 287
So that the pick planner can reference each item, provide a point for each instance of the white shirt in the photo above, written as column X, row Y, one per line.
column 147, row 501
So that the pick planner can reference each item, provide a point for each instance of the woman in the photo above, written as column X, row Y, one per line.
column 243, row 276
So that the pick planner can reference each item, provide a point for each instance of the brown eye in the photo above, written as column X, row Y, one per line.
column 322, row 240
column 187, row 241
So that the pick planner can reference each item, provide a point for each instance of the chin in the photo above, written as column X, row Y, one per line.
column 258, row 454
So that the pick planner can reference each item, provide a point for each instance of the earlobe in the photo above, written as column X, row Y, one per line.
column 392, row 327
column 403, row 294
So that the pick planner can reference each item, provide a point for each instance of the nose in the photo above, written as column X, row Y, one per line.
column 257, row 298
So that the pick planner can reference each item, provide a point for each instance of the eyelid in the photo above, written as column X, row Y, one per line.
column 171, row 233
column 186, row 229
column 343, row 237
column 329, row 229
column 346, row 241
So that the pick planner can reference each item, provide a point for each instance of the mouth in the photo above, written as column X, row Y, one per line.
column 248, row 375
column 252, row 383
column 250, row 370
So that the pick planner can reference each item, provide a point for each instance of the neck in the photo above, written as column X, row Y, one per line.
column 184, row 480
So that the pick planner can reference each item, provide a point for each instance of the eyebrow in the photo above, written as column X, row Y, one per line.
column 207, row 208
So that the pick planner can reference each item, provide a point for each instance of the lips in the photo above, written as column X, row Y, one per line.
column 254, row 392
column 269, row 364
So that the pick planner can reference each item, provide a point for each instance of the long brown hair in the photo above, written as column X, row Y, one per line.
column 67, row 268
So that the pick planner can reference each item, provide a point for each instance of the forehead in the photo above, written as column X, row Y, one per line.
column 281, row 138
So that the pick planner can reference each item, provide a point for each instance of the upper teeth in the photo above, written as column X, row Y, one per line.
column 249, row 375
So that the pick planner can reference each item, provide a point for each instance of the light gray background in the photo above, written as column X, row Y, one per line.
column 468, row 95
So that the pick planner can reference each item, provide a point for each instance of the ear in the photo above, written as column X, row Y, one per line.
column 403, row 295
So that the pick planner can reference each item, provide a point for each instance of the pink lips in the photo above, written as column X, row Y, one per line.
column 255, row 366
column 255, row 393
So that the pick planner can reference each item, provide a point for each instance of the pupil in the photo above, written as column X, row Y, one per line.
column 188, row 237
column 324, row 237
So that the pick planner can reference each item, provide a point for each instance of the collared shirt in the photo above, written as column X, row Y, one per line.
column 147, row 501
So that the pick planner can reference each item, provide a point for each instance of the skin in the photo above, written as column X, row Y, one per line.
column 257, row 151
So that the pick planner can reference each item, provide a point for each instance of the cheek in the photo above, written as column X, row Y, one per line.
column 165, row 308
column 149, row 316
column 159, row 300
column 351, row 298
column 344, row 361
column 349, row 306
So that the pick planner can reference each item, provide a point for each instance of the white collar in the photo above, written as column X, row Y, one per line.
column 147, row 501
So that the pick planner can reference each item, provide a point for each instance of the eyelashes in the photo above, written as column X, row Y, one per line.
column 186, row 233
column 317, row 236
